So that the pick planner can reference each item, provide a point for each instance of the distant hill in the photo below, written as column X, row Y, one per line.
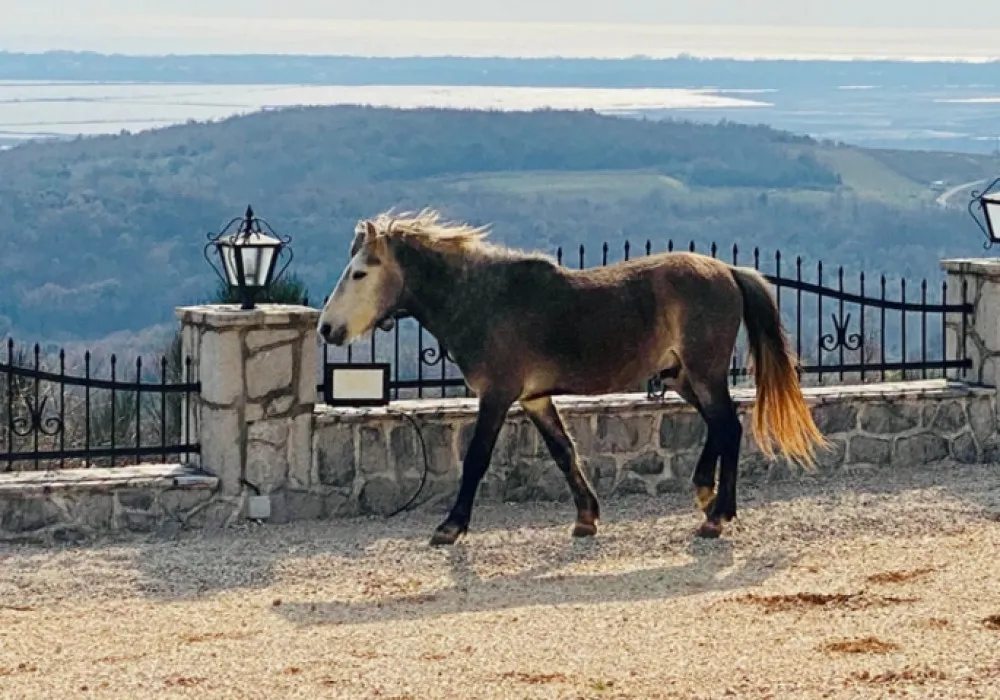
column 106, row 234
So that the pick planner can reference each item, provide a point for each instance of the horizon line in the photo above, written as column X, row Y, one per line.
column 706, row 57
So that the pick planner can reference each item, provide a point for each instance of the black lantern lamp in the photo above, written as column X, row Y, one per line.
column 988, row 203
column 249, row 256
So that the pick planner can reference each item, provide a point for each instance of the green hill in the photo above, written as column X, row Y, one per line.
column 106, row 234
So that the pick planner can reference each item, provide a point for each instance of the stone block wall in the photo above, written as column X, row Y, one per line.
column 369, row 460
column 73, row 504
column 254, row 414
column 975, row 281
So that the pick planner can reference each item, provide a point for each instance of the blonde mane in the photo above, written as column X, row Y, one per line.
column 426, row 228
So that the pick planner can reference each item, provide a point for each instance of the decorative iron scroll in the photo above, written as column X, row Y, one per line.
column 35, row 421
column 829, row 342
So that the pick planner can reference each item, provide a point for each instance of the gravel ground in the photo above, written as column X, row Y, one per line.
column 836, row 589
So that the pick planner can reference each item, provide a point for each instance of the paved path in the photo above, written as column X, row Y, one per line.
column 942, row 200
column 878, row 585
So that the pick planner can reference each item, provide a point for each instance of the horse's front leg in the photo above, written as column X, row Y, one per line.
column 492, row 412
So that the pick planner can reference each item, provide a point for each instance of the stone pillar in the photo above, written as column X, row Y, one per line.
column 980, row 278
column 254, row 415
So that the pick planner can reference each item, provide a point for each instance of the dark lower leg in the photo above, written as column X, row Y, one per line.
column 477, row 461
column 549, row 423
column 724, row 508
column 703, row 476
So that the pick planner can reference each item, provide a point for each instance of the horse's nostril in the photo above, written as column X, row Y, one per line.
column 338, row 337
column 324, row 330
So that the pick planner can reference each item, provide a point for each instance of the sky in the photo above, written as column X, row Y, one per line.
column 743, row 28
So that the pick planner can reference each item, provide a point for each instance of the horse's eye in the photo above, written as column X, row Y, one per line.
column 359, row 275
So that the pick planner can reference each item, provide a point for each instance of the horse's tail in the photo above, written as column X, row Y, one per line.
column 780, row 416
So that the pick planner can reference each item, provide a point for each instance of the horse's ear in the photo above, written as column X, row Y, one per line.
column 371, row 233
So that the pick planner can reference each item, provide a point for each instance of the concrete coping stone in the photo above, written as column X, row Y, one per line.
column 263, row 316
column 157, row 476
column 743, row 396
column 983, row 266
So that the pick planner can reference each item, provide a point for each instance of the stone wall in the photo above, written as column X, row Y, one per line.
column 369, row 460
column 978, row 279
column 74, row 504
column 254, row 414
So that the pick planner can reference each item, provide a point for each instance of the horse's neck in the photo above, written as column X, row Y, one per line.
column 434, row 285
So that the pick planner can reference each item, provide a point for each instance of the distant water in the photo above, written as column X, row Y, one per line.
column 46, row 109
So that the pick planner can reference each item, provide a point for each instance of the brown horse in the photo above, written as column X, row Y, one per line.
column 522, row 328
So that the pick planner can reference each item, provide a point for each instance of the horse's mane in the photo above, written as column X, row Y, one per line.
column 427, row 229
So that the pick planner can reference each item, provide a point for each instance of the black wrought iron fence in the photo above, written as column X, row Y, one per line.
column 842, row 330
column 56, row 412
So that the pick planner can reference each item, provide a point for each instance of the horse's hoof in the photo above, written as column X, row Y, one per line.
column 584, row 530
column 704, row 498
column 446, row 534
column 710, row 530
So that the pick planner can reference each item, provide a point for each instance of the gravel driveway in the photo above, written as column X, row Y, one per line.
column 832, row 589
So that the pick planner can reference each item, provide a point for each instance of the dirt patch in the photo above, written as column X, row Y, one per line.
column 183, row 681
column 214, row 636
column 364, row 654
column 898, row 576
column 119, row 658
column 23, row 667
column 535, row 678
column 917, row 676
column 378, row 585
column 805, row 601
column 864, row 645
column 992, row 622
column 934, row 623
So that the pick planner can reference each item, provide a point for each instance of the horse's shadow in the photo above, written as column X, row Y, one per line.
column 712, row 567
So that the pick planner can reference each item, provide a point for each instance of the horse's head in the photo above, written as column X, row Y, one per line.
column 368, row 292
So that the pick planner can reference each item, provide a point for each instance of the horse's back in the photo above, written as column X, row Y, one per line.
column 603, row 329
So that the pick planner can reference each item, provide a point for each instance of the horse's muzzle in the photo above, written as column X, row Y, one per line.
column 331, row 336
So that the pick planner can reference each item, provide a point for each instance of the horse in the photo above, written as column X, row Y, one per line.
column 522, row 328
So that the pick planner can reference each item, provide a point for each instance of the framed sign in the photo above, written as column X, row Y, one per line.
column 356, row 384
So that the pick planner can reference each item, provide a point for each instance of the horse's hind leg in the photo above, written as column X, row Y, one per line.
column 725, row 433
column 544, row 415
column 703, row 476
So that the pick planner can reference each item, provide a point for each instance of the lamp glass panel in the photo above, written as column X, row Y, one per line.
column 991, row 207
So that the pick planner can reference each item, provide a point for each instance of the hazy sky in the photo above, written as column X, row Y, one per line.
column 967, row 28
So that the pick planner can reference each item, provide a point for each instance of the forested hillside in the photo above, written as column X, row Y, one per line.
column 106, row 234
